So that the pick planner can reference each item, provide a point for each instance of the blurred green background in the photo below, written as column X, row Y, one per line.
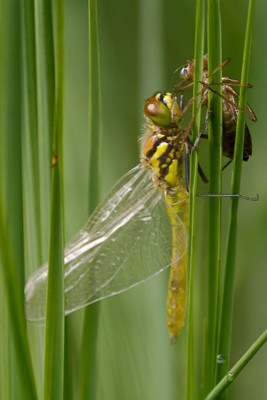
column 142, row 44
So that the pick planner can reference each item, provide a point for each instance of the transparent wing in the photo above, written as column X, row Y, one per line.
column 126, row 240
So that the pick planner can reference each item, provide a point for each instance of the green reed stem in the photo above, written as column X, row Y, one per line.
column 89, row 339
column 30, row 170
column 229, row 275
column 54, row 339
column 15, row 303
column 238, row 367
column 215, row 151
column 95, row 108
column 198, row 56
column 16, row 372
column 45, row 108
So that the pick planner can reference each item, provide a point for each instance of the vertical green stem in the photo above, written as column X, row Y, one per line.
column 30, row 139
column 95, row 108
column 68, row 361
column 45, row 108
column 15, row 303
column 15, row 365
column 199, row 50
column 229, row 275
column 54, row 340
column 215, row 151
column 30, row 169
column 89, row 339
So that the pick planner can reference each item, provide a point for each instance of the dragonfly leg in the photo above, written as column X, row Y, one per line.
column 203, row 129
column 251, row 115
column 230, row 82
column 187, row 166
column 235, row 82
column 202, row 174
column 181, row 106
column 224, row 63
column 200, row 170
column 238, row 196
column 181, row 103
column 173, row 108
column 188, row 105
column 192, row 146
column 201, row 103
column 180, row 88
column 226, row 165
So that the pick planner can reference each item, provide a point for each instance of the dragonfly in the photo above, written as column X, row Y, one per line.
column 138, row 230
column 230, row 107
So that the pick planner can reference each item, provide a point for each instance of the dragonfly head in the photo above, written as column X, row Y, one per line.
column 162, row 109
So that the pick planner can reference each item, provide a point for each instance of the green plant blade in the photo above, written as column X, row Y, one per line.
column 15, row 302
column 95, row 108
column 30, row 171
column 54, row 334
column 15, row 366
column 45, row 108
column 229, row 273
column 88, row 371
column 215, row 152
column 198, row 56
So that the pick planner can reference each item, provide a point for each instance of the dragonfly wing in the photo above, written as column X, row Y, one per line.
column 125, row 241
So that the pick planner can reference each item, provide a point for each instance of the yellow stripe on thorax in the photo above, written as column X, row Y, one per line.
column 155, row 159
column 172, row 175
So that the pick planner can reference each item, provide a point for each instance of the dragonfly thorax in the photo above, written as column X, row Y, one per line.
column 162, row 154
column 163, row 143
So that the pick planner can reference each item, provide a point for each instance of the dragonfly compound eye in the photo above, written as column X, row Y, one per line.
column 158, row 111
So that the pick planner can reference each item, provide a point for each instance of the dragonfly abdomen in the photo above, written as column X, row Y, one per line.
column 176, row 301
